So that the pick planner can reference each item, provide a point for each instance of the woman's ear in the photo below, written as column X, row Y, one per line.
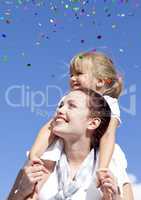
column 94, row 123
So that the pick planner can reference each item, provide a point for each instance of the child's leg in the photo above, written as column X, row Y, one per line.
column 44, row 138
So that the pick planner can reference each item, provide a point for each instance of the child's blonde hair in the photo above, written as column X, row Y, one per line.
column 101, row 68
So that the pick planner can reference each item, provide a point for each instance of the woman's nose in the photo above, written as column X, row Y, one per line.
column 61, row 109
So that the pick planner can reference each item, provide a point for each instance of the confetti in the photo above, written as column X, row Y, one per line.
column 75, row 1
column 20, row 1
column 51, row 21
column 77, row 17
column 109, row 15
column 39, row 24
column 5, row 58
column 80, row 57
column 121, row 50
column 28, row 65
column 82, row 10
column 3, row 35
column 114, row 26
column 75, row 9
column 66, row 6
column 7, row 13
column 8, row 21
column 99, row 37
column 94, row 12
column 38, row 43
column 82, row 41
column 122, row 15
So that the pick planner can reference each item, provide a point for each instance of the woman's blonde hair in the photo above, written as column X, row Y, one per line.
column 101, row 67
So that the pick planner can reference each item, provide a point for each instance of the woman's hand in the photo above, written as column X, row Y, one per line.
column 109, row 187
column 27, row 179
column 33, row 173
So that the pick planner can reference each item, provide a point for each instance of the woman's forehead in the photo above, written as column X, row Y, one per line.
column 77, row 96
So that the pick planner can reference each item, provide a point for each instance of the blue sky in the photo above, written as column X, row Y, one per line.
column 37, row 40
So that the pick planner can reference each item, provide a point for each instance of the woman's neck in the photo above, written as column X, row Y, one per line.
column 76, row 152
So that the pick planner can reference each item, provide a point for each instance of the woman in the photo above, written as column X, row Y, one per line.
column 80, row 122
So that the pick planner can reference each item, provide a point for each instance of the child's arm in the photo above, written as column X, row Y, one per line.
column 106, row 149
column 44, row 138
column 107, row 144
column 108, row 139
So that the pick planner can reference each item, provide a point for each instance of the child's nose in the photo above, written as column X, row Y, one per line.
column 74, row 77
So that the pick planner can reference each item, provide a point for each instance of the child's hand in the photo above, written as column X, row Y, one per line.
column 109, row 187
column 101, row 173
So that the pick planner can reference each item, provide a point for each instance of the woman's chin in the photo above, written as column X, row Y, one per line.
column 57, row 131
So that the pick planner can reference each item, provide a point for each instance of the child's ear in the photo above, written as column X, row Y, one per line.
column 100, row 83
column 94, row 123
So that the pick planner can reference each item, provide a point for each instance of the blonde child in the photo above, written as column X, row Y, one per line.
column 96, row 71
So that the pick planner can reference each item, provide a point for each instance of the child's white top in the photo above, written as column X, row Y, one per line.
column 114, row 106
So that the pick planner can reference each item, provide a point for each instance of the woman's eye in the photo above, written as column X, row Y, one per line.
column 71, row 105
column 61, row 104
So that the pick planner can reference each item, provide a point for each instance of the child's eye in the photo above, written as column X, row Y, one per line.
column 79, row 73
column 76, row 74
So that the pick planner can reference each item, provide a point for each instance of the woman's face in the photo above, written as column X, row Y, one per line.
column 72, row 116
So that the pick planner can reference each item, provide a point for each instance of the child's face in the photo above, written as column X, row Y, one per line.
column 82, row 79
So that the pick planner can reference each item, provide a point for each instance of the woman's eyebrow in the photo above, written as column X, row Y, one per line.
column 71, row 101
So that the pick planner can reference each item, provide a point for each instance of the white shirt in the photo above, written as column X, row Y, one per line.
column 89, row 191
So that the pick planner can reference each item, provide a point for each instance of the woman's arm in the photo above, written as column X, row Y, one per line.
column 15, row 193
column 44, row 138
column 19, row 192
